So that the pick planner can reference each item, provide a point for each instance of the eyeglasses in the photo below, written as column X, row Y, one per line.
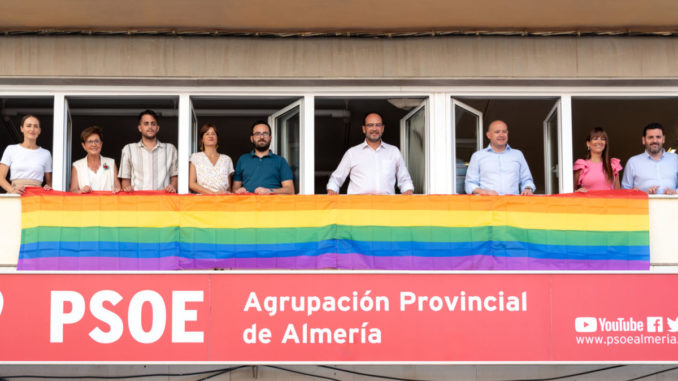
column 149, row 124
column 93, row 142
column 262, row 134
column 370, row 125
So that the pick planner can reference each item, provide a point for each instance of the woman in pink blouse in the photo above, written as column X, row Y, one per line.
column 597, row 171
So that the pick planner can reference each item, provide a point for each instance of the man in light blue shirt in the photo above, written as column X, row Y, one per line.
column 654, row 171
column 498, row 169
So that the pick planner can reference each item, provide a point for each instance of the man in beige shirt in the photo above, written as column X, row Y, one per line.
column 149, row 164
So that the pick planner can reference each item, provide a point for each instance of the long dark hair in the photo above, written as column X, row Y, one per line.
column 607, row 167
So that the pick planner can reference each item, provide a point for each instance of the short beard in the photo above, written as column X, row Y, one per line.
column 262, row 149
column 650, row 149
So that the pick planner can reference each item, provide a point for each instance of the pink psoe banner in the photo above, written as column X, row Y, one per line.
column 321, row 317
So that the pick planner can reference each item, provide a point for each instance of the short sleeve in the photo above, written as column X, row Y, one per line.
column 583, row 166
column 616, row 166
column 125, row 170
column 173, row 165
column 229, row 165
column 7, row 156
column 47, row 165
column 194, row 158
column 580, row 164
column 285, row 170
column 237, row 176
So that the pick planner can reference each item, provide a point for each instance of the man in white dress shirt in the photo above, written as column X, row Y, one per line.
column 372, row 165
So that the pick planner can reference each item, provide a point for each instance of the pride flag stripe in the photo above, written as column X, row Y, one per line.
column 358, row 233
column 380, row 249
column 319, row 218
column 324, row 261
column 157, row 201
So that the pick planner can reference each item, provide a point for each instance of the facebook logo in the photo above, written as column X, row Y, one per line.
column 655, row 324
column 585, row 324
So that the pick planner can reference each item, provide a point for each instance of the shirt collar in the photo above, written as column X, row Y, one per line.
column 647, row 155
column 269, row 154
column 157, row 144
column 365, row 145
column 489, row 149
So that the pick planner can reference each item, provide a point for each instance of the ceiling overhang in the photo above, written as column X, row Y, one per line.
column 308, row 18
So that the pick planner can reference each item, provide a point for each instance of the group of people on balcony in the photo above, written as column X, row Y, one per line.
column 149, row 164
column 373, row 166
column 498, row 169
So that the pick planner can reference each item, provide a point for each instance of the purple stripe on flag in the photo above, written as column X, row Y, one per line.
column 366, row 262
column 99, row 263
column 329, row 261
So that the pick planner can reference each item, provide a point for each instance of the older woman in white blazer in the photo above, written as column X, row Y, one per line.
column 94, row 172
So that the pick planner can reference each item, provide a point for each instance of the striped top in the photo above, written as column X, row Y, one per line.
column 148, row 169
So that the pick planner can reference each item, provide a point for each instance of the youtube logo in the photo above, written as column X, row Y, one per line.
column 585, row 324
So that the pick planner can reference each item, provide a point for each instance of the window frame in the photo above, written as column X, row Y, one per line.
column 439, row 135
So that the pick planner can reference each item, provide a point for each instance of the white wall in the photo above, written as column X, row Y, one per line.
column 10, row 229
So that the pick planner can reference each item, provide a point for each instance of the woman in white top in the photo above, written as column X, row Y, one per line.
column 210, row 172
column 27, row 163
column 94, row 172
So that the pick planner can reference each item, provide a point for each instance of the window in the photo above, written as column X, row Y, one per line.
column 532, row 129
column 313, row 127
column 338, row 127
column 234, row 116
column 623, row 119
column 119, row 118
column 12, row 110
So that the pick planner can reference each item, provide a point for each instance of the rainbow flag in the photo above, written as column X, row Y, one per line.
column 158, row 231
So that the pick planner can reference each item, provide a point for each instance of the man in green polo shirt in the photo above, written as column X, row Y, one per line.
column 261, row 171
